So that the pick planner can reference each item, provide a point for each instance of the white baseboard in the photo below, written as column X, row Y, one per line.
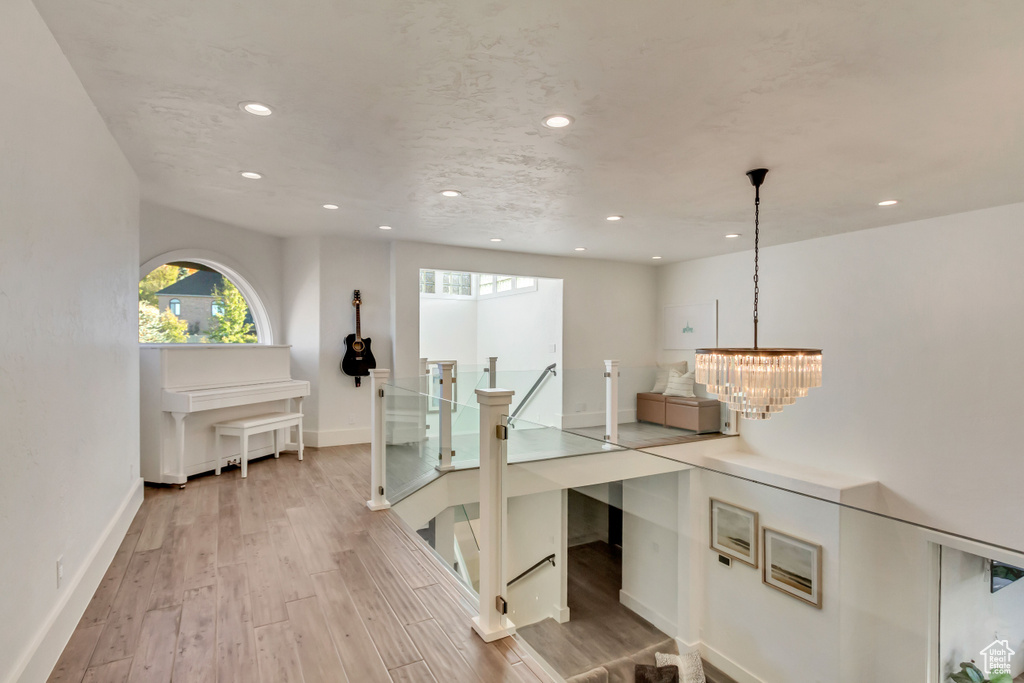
column 39, row 658
column 728, row 667
column 595, row 419
column 663, row 623
column 337, row 437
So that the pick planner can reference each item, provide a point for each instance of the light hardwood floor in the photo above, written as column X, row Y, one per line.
column 283, row 576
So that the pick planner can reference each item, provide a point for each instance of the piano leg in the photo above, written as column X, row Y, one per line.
column 179, row 431
column 277, row 443
column 245, row 454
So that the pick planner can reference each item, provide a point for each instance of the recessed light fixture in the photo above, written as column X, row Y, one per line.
column 581, row 248
column 495, row 239
column 889, row 202
column 451, row 193
column 656, row 258
column 384, row 227
column 256, row 109
column 251, row 175
column 614, row 218
column 733, row 235
column 331, row 207
column 558, row 120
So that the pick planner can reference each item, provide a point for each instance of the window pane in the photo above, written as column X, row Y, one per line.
column 190, row 303
column 427, row 282
column 504, row 283
column 522, row 282
column 486, row 280
column 486, row 288
column 217, row 308
column 175, row 307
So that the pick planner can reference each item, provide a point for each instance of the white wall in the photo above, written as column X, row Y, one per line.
column 301, row 321
column 255, row 255
column 525, row 332
column 650, row 548
column 448, row 330
column 347, row 265
column 69, row 362
column 973, row 616
column 921, row 329
column 770, row 635
column 607, row 311
column 534, row 532
column 321, row 274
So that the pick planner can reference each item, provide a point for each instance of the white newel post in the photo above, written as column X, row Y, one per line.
column 492, row 371
column 611, row 401
column 378, row 471
column 423, row 402
column 444, row 463
column 492, row 623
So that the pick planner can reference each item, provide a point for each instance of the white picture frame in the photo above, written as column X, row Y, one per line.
column 693, row 326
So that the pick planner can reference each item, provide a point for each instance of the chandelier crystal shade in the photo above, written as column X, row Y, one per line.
column 755, row 382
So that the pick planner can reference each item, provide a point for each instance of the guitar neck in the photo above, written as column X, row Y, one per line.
column 358, row 332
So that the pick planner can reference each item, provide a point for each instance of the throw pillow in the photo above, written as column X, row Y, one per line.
column 661, row 381
column 691, row 668
column 679, row 384
column 645, row 673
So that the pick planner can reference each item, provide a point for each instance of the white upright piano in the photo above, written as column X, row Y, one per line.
column 187, row 388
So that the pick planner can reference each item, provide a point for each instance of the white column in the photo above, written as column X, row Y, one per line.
column 492, row 371
column 491, row 624
column 444, row 463
column 611, row 401
column 378, row 465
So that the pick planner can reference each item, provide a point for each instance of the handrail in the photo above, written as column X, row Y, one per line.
column 529, row 394
column 550, row 558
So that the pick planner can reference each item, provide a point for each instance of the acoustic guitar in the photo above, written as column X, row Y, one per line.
column 358, row 360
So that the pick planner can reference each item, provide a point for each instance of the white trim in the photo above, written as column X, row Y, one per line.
column 337, row 437
column 664, row 624
column 224, row 265
column 39, row 658
column 728, row 667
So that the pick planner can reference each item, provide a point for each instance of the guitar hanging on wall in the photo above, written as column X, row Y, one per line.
column 358, row 360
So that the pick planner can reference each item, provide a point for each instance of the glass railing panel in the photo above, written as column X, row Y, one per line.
column 530, row 441
column 544, row 405
column 453, row 536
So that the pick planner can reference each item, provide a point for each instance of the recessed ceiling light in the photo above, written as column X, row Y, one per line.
column 451, row 193
column 656, row 258
column 614, row 218
column 581, row 248
column 888, row 202
column 733, row 235
column 495, row 239
column 331, row 207
column 558, row 120
column 256, row 109
column 251, row 175
column 384, row 227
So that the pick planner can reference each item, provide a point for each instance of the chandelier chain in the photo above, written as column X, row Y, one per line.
column 757, row 238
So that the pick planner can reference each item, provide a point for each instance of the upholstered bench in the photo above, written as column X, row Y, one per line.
column 260, row 424
column 701, row 415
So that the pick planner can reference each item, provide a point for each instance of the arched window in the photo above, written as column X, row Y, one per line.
column 186, row 302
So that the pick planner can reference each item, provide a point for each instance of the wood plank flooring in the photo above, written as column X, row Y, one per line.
column 283, row 576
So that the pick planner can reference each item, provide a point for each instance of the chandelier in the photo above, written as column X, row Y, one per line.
column 758, row 382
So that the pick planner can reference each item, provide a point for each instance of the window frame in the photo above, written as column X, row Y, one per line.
column 513, row 290
column 439, row 284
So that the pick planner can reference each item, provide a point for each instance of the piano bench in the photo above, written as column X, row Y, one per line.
column 260, row 424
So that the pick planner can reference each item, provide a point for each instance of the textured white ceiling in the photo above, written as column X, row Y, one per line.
column 381, row 104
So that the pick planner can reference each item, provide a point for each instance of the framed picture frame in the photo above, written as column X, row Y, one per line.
column 792, row 566
column 734, row 531
column 691, row 327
